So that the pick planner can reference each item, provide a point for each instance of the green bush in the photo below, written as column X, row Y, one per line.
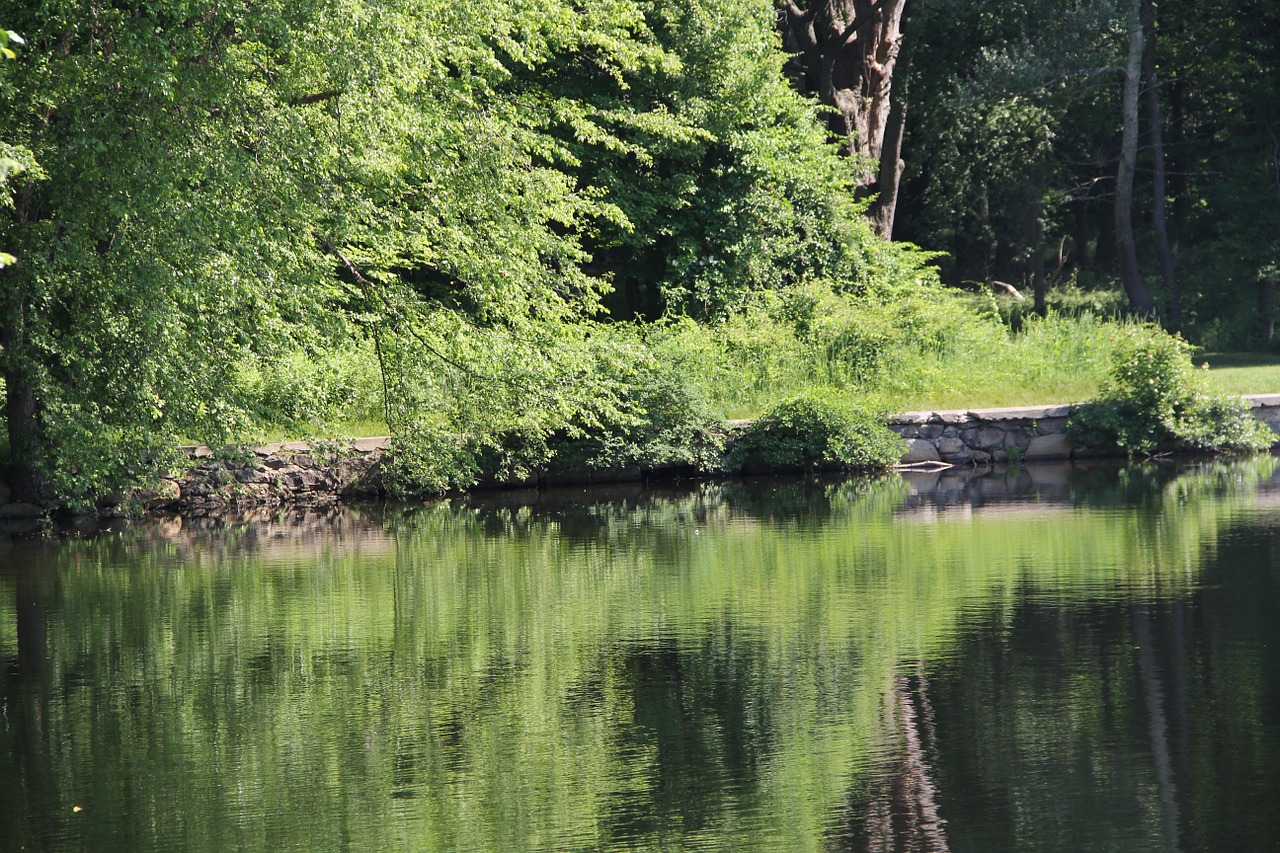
column 819, row 428
column 428, row 459
column 1154, row 399
column 657, row 414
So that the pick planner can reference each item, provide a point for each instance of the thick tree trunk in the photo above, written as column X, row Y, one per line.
column 888, row 181
column 1158, row 219
column 1126, row 247
column 845, row 52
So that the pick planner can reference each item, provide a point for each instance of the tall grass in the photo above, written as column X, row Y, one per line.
column 924, row 352
column 915, row 348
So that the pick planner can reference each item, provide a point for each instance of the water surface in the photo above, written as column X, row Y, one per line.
column 1065, row 659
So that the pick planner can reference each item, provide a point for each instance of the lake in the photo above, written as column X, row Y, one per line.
column 1059, row 658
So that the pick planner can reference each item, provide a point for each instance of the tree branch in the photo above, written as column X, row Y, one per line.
column 314, row 98
column 376, row 291
column 858, row 23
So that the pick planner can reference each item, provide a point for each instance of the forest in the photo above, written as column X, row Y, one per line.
column 507, row 231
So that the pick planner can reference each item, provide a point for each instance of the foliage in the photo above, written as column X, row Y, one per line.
column 1155, row 400
column 427, row 458
column 821, row 428
column 753, row 198
column 303, row 194
column 662, row 418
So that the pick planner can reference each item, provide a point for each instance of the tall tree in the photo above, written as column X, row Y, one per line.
column 225, row 183
column 1158, row 182
column 1126, row 246
column 846, row 53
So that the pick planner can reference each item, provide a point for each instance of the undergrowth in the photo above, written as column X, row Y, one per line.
column 1155, row 400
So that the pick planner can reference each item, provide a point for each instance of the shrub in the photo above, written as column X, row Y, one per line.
column 428, row 459
column 1155, row 399
column 656, row 413
column 817, row 429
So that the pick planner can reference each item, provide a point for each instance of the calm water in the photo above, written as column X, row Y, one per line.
column 1066, row 660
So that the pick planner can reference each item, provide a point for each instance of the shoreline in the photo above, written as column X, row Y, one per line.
column 323, row 472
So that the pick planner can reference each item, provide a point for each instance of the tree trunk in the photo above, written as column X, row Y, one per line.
column 1039, row 283
column 1134, row 286
column 888, row 180
column 1083, row 233
column 20, row 408
column 1178, row 180
column 845, row 52
column 1158, row 220
column 1265, row 288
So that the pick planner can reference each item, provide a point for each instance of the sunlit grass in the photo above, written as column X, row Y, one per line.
column 1243, row 372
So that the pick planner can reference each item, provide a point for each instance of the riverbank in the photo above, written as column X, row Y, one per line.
column 304, row 474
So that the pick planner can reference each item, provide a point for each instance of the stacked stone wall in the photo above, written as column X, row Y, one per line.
column 321, row 473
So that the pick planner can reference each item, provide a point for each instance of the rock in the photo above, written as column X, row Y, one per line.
column 989, row 437
column 920, row 450
column 1055, row 446
column 368, row 445
column 16, row 511
column 192, row 489
column 950, row 446
column 253, row 475
column 305, row 478
column 1049, row 426
column 1023, row 413
column 163, row 493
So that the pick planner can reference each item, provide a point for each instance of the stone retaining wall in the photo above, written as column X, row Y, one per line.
column 296, row 473
column 1032, row 433
column 314, row 474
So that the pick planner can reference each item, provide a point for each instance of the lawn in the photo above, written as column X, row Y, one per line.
column 1243, row 372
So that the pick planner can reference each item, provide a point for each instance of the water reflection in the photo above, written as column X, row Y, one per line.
column 958, row 662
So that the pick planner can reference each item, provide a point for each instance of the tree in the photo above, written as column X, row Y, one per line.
column 225, row 186
column 1130, row 275
column 1159, row 221
column 846, row 53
